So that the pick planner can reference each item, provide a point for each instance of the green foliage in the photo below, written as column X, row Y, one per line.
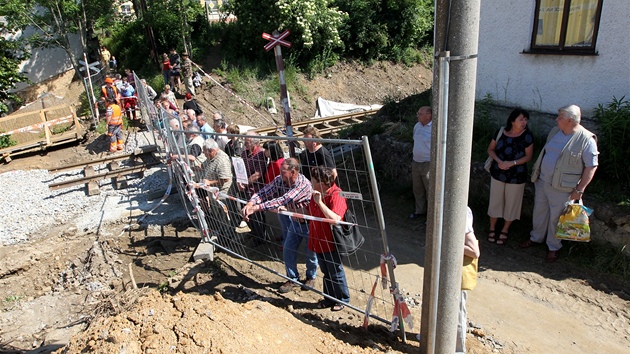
column 391, row 29
column 165, row 18
column 313, row 24
column 614, row 140
column 163, row 287
column 10, row 59
column 602, row 258
column 244, row 77
column 6, row 141
column 483, row 128
column 11, row 299
column 56, row 21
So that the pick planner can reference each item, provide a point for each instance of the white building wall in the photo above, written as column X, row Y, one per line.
column 545, row 82
column 44, row 63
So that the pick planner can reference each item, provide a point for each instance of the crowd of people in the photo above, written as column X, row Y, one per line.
column 306, row 185
column 119, row 94
column 261, row 175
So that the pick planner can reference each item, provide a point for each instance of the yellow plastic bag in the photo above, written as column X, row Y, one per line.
column 573, row 224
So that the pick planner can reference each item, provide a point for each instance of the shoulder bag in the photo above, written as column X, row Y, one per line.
column 488, row 162
column 348, row 238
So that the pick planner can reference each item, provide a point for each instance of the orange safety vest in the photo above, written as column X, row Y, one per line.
column 116, row 118
column 104, row 92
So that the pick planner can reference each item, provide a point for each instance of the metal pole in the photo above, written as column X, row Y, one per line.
column 381, row 222
column 90, row 92
column 438, row 212
column 456, row 31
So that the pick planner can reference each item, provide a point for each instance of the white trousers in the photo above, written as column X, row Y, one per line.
column 549, row 203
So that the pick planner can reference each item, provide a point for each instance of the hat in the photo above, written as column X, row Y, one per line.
column 188, row 96
column 184, row 54
column 108, row 80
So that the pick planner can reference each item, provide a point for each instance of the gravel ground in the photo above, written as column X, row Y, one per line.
column 28, row 207
column 27, row 204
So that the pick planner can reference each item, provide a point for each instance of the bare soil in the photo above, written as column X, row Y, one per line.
column 70, row 287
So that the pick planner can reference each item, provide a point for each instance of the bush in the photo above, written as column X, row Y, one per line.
column 393, row 30
column 129, row 44
column 313, row 24
column 6, row 141
column 614, row 140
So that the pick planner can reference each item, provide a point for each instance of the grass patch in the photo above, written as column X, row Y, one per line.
column 601, row 259
column 6, row 141
column 12, row 299
column 102, row 125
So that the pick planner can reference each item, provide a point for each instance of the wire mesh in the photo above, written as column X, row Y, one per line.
column 217, row 213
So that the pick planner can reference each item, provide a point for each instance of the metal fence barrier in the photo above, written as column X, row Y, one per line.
column 369, row 272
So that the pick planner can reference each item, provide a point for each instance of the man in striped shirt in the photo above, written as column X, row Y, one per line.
column 288, row 191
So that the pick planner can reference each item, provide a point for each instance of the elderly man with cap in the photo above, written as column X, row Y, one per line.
column 187, row 73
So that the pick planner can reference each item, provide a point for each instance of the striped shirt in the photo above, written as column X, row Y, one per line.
column 277, row 194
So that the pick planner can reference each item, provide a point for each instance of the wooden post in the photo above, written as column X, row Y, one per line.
column 276, row 42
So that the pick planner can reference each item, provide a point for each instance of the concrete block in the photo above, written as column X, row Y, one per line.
column 120, row 182
column 92, row 187
column 204, row 251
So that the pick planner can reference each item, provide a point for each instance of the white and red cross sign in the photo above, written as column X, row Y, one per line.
column 275, row 40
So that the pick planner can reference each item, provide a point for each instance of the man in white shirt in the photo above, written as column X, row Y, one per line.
column 421, row 158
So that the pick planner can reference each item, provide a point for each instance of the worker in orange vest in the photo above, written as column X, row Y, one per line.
column 114, row 125
column 109, row 91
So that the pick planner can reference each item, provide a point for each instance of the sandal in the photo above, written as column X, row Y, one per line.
column 492, row 236
column 323, row 304
column 502, row 238
column 337, row 307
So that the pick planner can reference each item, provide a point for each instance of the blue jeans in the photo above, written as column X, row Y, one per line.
column 335, row 283
column 167, row 77
column 297, row 232
column 285, row 223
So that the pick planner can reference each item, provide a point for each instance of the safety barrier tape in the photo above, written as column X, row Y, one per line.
column 215, row 192
column 40, row 125
column 233, row 94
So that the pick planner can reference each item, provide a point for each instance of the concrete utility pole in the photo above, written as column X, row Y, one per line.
column 456, row 44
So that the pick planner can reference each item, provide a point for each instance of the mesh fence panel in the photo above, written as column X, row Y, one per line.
column 260, row 241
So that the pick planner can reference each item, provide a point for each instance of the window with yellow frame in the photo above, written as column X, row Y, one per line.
column 566, row 26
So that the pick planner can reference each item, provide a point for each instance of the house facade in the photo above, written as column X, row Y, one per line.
column 545, row 54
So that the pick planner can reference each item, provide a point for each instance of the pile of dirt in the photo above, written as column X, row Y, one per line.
column 188, row 323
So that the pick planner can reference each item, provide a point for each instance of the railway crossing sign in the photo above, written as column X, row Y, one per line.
column 276, row 39
column 92, row 66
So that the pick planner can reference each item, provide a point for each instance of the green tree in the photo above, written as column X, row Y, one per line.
column 314, row 26
column 10, row 59
column 56, row 21
column 163, row 20
column 385, row 29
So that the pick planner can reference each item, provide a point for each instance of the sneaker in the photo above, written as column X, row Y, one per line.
column 308, row 284
column 243, row 228
column 286, row 287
